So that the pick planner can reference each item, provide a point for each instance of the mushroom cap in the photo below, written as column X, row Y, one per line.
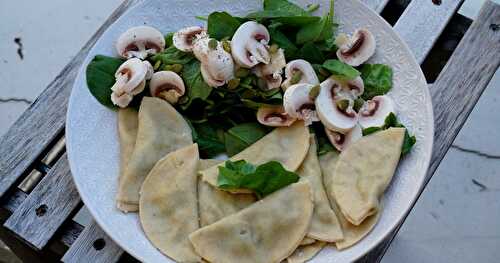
column 184, row 39
column 374, row 111
column 207, row 77
column 271, row 72
column 359, row 48
column 329, row 113
column 167, row 85
column 121, row 100
column 351, row 89
column 308, row 74
column 299, row 104
column 140, row 42
column 340, row 140
column 130, row 75
column 220, row 64
column 249, row 45
column 274, row 116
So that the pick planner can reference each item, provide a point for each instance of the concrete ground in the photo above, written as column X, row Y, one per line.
column 455, row 220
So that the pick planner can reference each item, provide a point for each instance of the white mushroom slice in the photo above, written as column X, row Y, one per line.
column 200, row 47
column 374, row 111
column 274, row 116
column 249, row 45
column 220, row 64
column 330, row 114
column 341, row 141
column 299, row 103
column 140, row 42
column 130, row 81
column 271, row 72
column 299, row 71
column 184, row 39
column 350, row 89
column 358, row 49
column 167, row 85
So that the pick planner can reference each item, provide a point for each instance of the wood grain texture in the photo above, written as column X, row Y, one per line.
column 377, row 5
column 44, row 120
column 93, row 244
column 456, row 92
column 422, row 23
column 46, row 208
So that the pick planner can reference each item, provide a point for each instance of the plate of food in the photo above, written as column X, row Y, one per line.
column 252, row 131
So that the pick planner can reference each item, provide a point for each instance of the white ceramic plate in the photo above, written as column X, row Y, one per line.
column 93, row 147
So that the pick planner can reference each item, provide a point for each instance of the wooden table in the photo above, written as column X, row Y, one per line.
column 37, row 194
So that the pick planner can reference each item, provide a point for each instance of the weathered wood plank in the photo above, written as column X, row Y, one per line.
column 93, row 244
column 377, row 5
column 46, row 208
column 44, row 119
column 457, row 90
column 422, row 23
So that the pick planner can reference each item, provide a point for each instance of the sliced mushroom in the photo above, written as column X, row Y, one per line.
column 340, row 140
column 358, row 49
column 374, row 111
column 207, row 77
column 271, row 72
column 350, row 89
column 184, row 39
column 220, row 64
column 140, row 42
column 274, row 116
column 299, row 71
column 299, row 103
column 249, row 45
column 330, row 111
column 167, row 85
column 130, row 81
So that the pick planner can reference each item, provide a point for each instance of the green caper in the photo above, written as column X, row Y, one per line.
column 177, row 68
column 168, row 67
column 157, row 65
column 273, row 48
column 296, row 77
column 342, row 104
column 314, row 92
column 358, row 103
column 233, row 83
column 242, row 72
column 226, row 45
column 212, row 43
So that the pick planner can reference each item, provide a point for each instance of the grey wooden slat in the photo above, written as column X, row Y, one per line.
column 457, row 90
column 422, row 23
column 377, row 5
column 44, row 119
column 46, row 208
column 93, row 244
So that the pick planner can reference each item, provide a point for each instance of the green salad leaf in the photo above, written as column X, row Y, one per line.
column 322, row 29
column 284, row 12
column 284, row 6
column 377, row 79
column 222, row 25
column 100, row 75
column 195, row 85
column 243, row 135
column 311, row 53
column 340, row 69
column 169, row 39
column 209, row 139
column 392, row 121
column 262, row 180
column 171, row 56
column 280, row 39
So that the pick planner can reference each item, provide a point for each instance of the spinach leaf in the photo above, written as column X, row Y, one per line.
column 208, row 139
column 195, row 85
column 169, row 39
column 171, row 56
column 311, row 53
column 280, row 39
column 320, row 30
column 284, row 18
column 256, row 105
column 262, row 180
column 243, row 135
column 341, row 70
column 100, row 75
column 222, row 25
column 284, row 6
column 392, row 121
column 377, row 79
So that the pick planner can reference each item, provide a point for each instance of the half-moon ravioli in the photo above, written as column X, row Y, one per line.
column 168, row 204
column 268, row 231
column 363, row 172
column 127, row 132
column 287, row 145
column 305, row 253
column 161, row 130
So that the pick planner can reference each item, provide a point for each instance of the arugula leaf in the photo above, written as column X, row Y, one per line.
column 262, row 180
column 377, row 79
column 243, row 135
column 171, row 56
column 222, row 25
column 311, row 53
column 320, row 30
column 392, row 121
column 340, row 69
column 100, row 75
column 277, row 37
column 196, row 86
